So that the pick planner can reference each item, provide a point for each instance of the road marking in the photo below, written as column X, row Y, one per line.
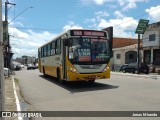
column 16, row 97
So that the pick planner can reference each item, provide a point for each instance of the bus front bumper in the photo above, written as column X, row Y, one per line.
column 72, row 76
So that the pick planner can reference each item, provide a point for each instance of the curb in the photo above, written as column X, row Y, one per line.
column 155, row 77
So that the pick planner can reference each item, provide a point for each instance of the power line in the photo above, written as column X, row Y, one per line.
column 20, row 14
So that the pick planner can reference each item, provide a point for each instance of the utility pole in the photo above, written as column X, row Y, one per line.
column 7, row 38
column 1, row 63
column 138, row 53
column 142, row 25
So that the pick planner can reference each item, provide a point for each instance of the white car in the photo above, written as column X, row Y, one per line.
column 6, row 71
column 22, row 66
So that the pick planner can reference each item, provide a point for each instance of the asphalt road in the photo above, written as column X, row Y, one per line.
column 119, row 93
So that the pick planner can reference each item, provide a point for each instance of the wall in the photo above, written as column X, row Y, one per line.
column 152, row 29
column 153, row 47
column 123, row 52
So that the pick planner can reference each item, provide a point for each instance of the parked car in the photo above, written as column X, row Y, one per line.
column 123, row 67
column 36, row 66
column 22, row 66
column 30, row 66
column 7, row 71
column 17, row 67
column 133, row 68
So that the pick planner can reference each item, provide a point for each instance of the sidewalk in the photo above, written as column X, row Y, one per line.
column 153, row 76
column 9, row 98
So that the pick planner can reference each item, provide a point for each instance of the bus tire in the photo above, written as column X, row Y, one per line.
column 59, row 77
column 44, row 73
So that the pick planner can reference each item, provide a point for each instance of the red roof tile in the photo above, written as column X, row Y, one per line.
column 122, row 42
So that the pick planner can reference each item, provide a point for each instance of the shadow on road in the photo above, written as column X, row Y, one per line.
column 80, row 86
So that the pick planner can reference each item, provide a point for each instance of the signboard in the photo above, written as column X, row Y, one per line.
column 88, row 33
column 142, row 25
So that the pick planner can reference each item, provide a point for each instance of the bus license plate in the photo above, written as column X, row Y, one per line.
column 91, row 77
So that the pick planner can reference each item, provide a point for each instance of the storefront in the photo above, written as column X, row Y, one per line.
column 147, row 56
column 152, row 56
column 156, row 56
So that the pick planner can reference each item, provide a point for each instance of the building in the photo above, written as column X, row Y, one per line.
column 26, row 59
column 151, row 44
column 124, row 52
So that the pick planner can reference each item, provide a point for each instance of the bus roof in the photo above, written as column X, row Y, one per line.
column 79, row 32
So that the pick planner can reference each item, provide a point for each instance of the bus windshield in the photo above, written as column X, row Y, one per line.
column 88, row 50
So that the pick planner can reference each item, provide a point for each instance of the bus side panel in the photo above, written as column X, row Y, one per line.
column 49, row 65
column 39, row 66
column 51, row 70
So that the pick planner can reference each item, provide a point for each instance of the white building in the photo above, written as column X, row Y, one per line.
column 124, row 52
column 151, row 44
column 125, row 55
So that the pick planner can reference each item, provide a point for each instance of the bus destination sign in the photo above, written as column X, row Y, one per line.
column 88, row 33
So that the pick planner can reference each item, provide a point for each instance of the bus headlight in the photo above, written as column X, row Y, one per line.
column 106, row 69
column 71, row 69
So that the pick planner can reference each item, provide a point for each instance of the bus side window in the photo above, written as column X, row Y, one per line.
column 49, row 50
column 51, row 53
column 42, row 53
column 46, row 51
column 53, row 48
column 58, row 47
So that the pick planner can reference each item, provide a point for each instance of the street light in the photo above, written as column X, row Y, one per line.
column 20, row 13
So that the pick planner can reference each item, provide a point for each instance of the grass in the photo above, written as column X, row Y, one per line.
column 16, row 80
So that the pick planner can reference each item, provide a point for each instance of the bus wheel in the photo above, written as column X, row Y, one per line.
column 44, row 73
column 59, row 77
column 91, row 81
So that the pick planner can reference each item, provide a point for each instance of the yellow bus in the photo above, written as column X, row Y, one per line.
column 77, row 55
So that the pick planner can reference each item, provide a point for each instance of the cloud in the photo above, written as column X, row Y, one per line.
column 126, row 23
column 154, row 13
column 138, row 0
column 101, row 13
column 99, row 2
column 95, row 2
column 17, row 33
column 118, row 31
column 122, row 2
column 118, row 14
column 122, row 27
column 71, row 25
column 129, row 4
column 93, row 20
column 27, row 42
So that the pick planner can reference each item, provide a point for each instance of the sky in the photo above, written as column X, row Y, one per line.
column 35, row 22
